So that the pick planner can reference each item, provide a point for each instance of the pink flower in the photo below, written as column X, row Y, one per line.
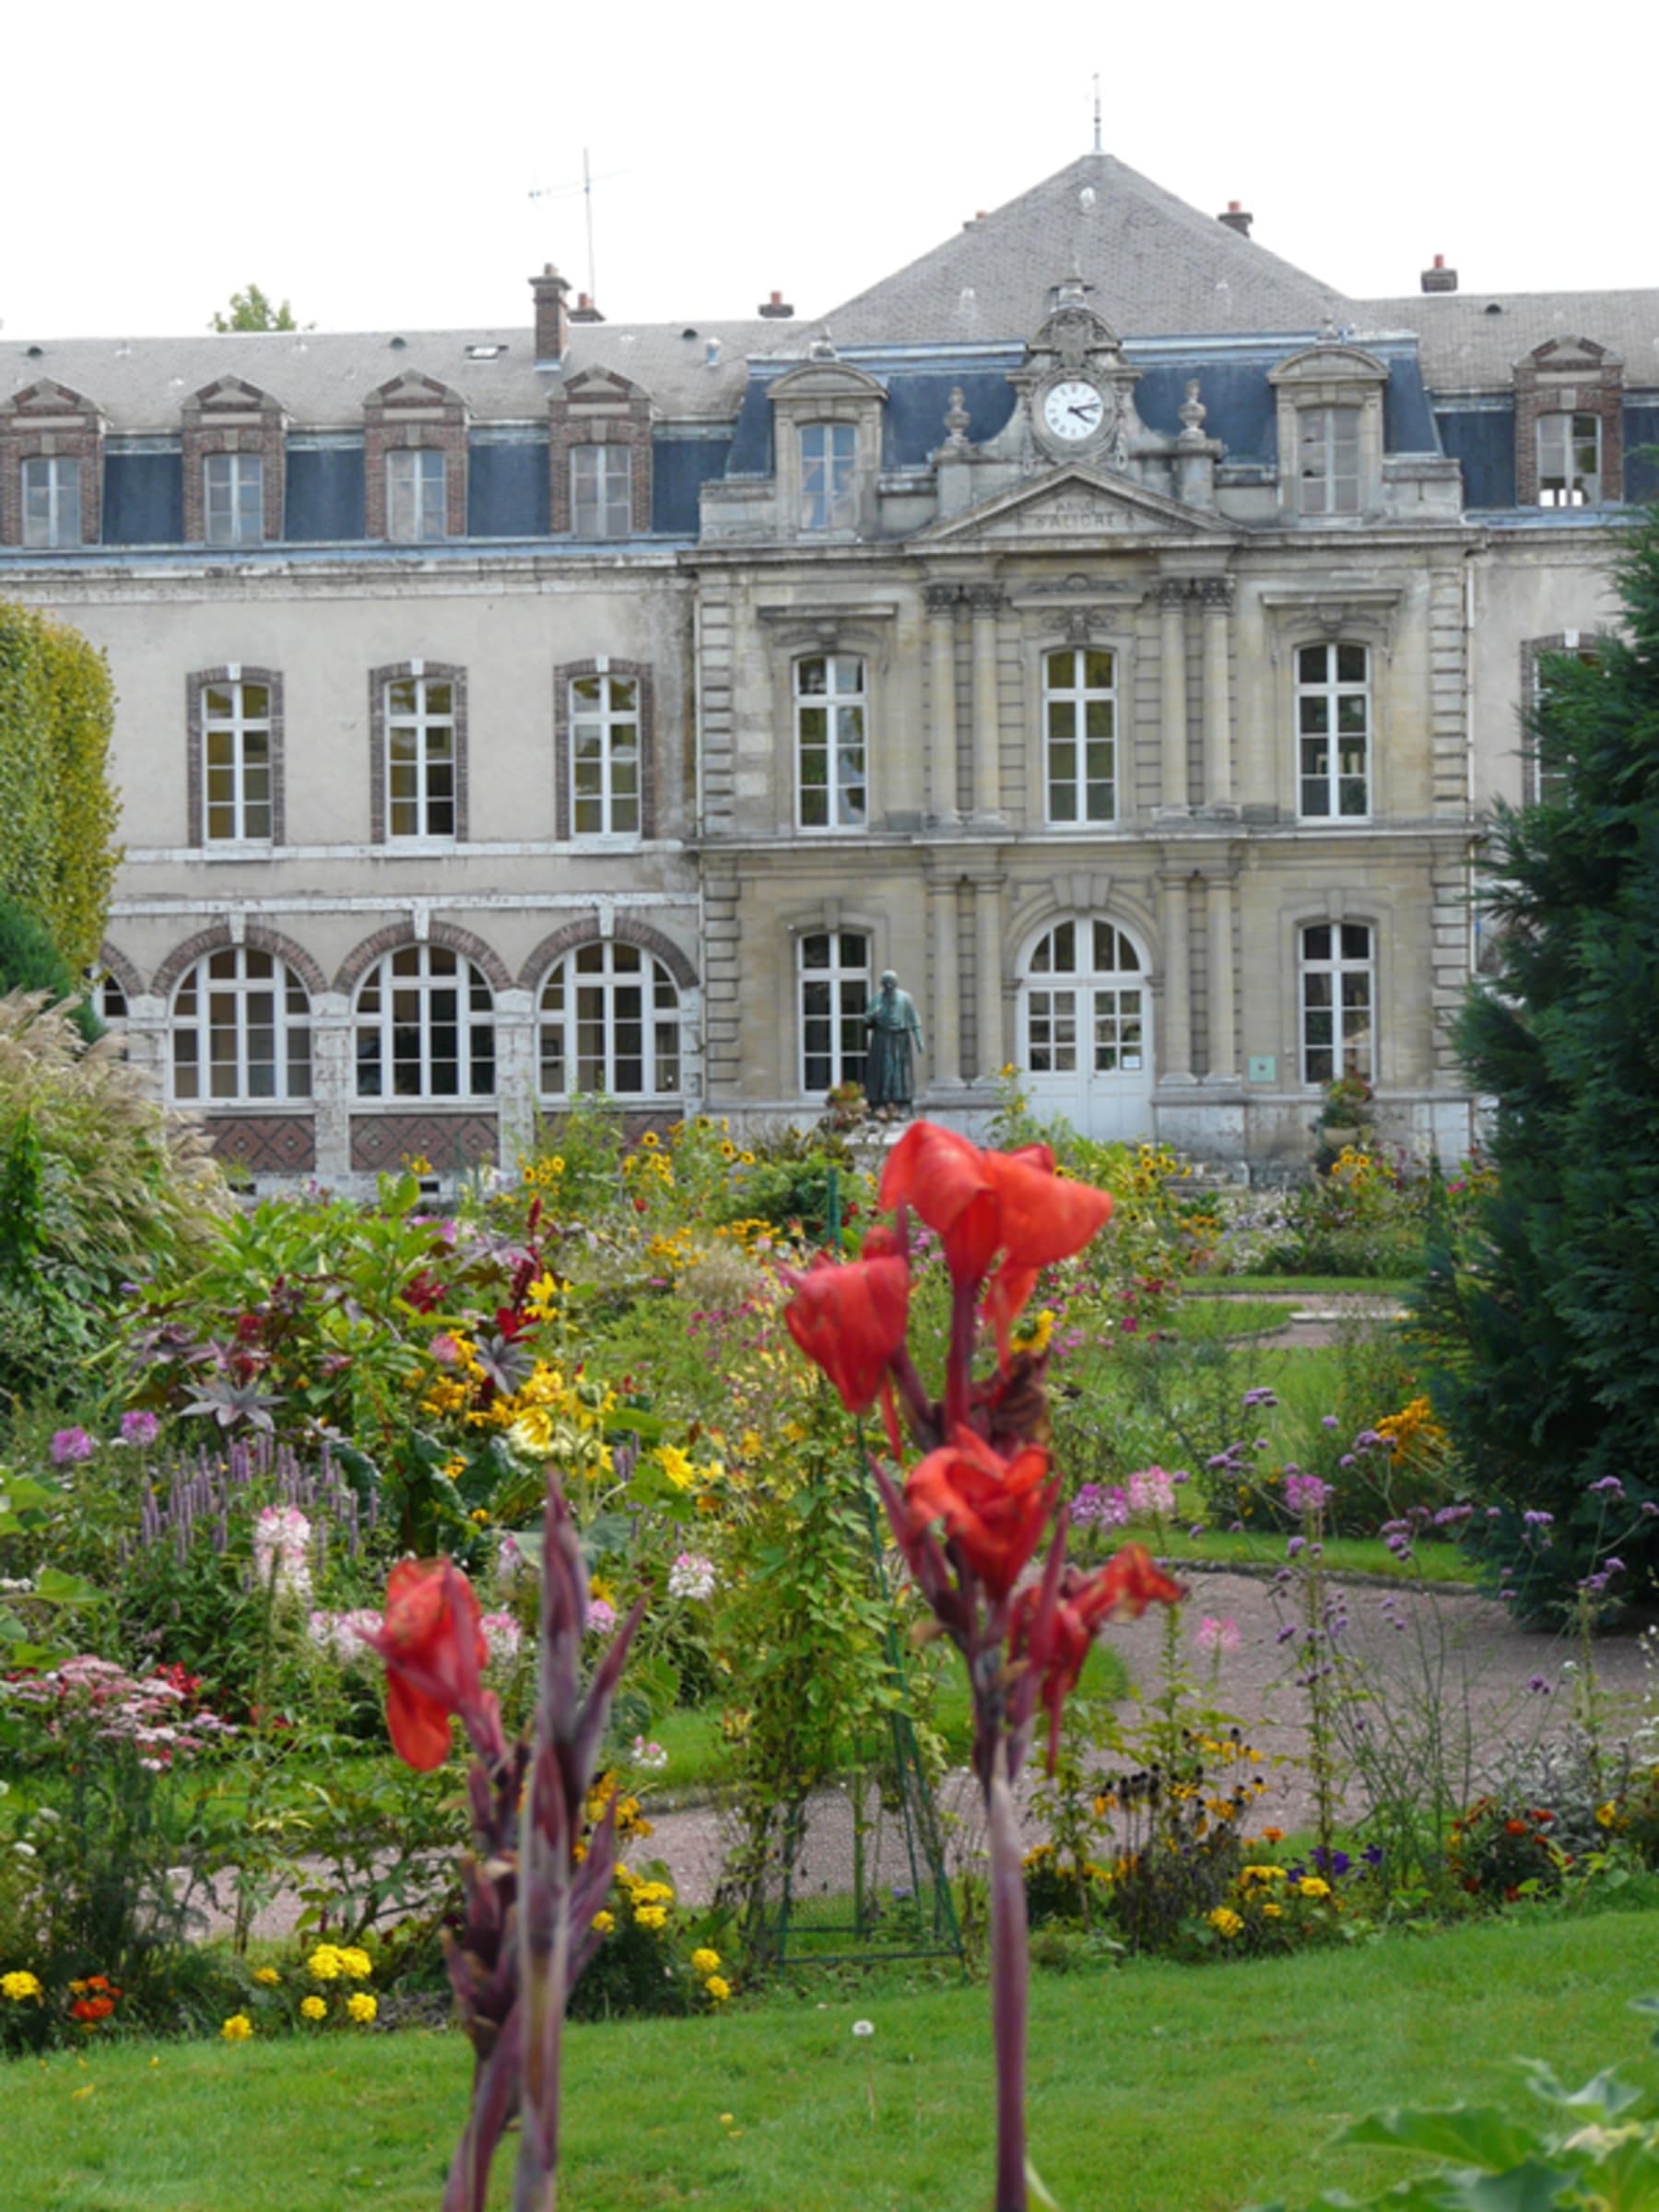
column 1151, row 1490
column 71, row 1445
column 140, row 1427
column 1215, row 1635
column 1305, row 1493
column 601, row 1617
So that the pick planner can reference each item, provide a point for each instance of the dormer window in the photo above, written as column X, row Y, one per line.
column 599, row 454
column 233, row 498
column 235, row 462
column 829, row 455
column 416, row 496
column 415, row 460
column 601, row 490
column 52, row 502
column 51, row 468
column 1328, row 459
column 1568, row 460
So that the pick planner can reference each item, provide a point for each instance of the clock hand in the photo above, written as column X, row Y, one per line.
column 1088, row 412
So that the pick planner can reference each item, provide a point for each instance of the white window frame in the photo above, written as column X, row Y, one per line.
column 844, row 981
column 429, row 739
column 829, row 475
column 233, row 498
column 242, row 728
column 215, row 1006
column 1329, row 458
column 844, row 796
column 1339, row 966
column 416, row 494
column 60, row 476
column 582, row 1025
column 1072, row 703
column 1562, row 481
column 603, row 726
column 1097, row 1033
column 395, row 1002
column 602, row 506
column 1348, row 794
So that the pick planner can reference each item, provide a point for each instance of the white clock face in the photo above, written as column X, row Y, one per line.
column 1072, row 410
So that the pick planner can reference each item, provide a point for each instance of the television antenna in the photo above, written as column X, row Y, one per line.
column 568, row 192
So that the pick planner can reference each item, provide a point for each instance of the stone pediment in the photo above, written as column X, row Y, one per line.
column 1075, row 503
column 48, row 399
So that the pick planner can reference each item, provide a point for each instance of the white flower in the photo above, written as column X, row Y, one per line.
column 24, row 1851
column 503, row 1635
column 863, row 2028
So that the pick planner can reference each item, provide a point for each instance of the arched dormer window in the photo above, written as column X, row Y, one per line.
column 1330, row 432
column 827, row 430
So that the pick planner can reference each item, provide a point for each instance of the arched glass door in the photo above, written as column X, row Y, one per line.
column 1086, row 1029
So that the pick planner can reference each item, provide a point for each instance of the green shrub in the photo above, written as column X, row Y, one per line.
column 31, row 962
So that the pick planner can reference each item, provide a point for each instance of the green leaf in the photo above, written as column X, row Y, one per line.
column 53, row 1587
column 1476, row 2135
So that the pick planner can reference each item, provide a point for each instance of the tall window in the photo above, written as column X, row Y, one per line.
column 241, row 1030
column 416, row 494
column 233, row 498
column 1544, row 783
column 1085, row 1005
column 834, row 975
column 425, row 1028
column 610, row 1020
column 605, row 756
column 1338, row 995
column 1080, row 721
column 1328, row 459
column 828, row 452
column 1332, row 731
column 830, row 760
column 52, row 502
column 601, row 490
column 420, row 757
column 236, row 762
column 1568, row 460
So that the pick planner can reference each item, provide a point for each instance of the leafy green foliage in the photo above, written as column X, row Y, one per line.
column 58, row 807
column 251, row 311
column 1548, row 1345
column 31, row 962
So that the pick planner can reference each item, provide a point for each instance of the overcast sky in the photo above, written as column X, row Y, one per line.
column 374, row 164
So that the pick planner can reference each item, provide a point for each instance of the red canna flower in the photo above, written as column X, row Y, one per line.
column 434, row 1650
column 985, row 1203
column 1056, row 1640
column 850, row 1317
column 993, row 1508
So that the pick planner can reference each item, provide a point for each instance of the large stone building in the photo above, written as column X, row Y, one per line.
column 1114, row 629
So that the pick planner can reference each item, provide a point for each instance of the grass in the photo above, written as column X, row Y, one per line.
column 1156, row 2089
column 1350, row 1555
column 1301, row 1286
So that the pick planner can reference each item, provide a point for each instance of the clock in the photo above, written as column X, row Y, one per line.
column 1073, row 411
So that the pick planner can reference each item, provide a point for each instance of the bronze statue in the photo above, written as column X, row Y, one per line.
column 889, row 1083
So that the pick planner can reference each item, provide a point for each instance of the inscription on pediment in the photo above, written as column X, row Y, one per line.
column 1067, row 513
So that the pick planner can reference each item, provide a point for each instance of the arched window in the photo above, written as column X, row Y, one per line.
column 1333, row 731
column 834, row 980
column 608, row 1019
column 425, row 1027
column 1079, row 735
column 241, row 1030
column 831, row 762
column 1338, row 1001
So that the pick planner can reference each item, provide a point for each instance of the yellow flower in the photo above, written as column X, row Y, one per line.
column 19, row 1985
column 267, row 1976
column 719, row 1991
column 651, row 1916
column 1311, row 1885
column 605, row 1922
column 705, row 1961
column 362, row 2007
column 745, row 1159
column 312, row 2008
column 324, row 1963
column 675, row 1465
column 1224, row 1922
column 651, row 1140
column 1606, row 1815
column 237, row 2029
column 1272, row 1912
column 1263, row 1874
column 356, row 1963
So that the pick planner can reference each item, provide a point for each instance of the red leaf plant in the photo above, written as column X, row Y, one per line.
column 530, row 1891
column 973, row 1511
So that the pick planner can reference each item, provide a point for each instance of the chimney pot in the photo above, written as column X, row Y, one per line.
column 777, row 307
column 585, row 310
column 1236, row 219
column 1439, row 278
column 552, row 318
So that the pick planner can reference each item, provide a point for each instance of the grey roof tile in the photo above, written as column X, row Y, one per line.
column 1466, row 344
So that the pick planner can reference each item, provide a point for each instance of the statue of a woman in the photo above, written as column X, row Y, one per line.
column 889, row 1082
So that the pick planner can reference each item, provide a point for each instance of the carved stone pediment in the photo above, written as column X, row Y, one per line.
column 1073, row 502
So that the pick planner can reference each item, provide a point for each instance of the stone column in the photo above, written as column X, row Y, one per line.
column 987, row 918
column 945, row 1030
column 1219, row 892
column 1177, row 1042
column 1215, row 592
column 942, row 600
column 333, row 1071
column 515, row 1076
column 984, row 600
column 1172, row 685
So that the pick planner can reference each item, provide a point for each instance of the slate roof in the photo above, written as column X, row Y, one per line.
column 323, row 377
column 1464, row 344
column 1156, row 265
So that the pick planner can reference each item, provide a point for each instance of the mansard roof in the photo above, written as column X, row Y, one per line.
column 1472, row 340
column 1155, row 266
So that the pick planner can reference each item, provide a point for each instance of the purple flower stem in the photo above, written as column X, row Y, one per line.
column 1009, row 1972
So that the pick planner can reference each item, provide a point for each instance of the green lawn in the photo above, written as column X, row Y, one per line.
column 1351, row 1555
column 1299, row 1286
column 1156, row 2089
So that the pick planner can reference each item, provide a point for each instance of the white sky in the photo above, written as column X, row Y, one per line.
column 373, row 164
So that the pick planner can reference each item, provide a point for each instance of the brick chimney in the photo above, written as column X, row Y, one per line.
column 585, row 310
column 552, row 323
column 775, row 308
column 1439, row 278
column 1236, row 219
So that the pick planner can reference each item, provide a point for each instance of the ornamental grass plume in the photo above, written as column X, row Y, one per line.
column 982, row 1500
column 533, row 1884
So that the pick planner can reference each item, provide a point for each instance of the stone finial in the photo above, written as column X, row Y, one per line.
column 956, row 419
column 1193, row 411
